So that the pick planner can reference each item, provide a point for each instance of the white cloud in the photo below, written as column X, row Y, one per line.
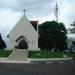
column 8, row 19
column 5, row 4
column 42, row 10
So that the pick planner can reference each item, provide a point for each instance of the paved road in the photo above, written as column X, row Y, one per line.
column 38, row 69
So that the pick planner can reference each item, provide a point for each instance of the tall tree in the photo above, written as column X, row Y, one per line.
column 52, row 35
column 2, row 43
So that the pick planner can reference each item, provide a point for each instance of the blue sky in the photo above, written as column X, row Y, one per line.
column 42, row 10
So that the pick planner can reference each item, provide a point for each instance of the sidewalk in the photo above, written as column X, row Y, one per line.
column 6, row 60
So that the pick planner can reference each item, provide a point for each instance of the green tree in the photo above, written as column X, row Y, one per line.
column 2, row 43
column 52, row 35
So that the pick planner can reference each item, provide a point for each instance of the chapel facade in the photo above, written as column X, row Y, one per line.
column 24, row 35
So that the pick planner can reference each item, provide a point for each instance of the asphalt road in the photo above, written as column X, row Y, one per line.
column 37, row 69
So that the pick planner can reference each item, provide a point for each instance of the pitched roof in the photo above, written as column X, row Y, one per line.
column 23, row 24
column 34, row 24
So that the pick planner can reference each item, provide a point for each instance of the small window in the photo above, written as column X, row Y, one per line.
column 34, row 42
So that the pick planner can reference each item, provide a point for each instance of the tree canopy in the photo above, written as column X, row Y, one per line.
column 2, row 43
column 52, row 35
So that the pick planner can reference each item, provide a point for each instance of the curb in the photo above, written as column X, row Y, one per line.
column 48, row 59
column 37, row 61
column 53, row 62
column 10, row 61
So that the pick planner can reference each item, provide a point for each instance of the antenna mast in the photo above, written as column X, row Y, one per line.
column 56, row 12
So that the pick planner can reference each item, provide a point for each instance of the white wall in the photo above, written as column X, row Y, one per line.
column 24, row 28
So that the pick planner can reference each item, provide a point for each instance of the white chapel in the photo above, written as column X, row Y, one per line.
column 24, row 35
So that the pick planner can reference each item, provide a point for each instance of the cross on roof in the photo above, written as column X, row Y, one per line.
column 24, row 11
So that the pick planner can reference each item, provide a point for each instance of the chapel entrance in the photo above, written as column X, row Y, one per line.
column 22, row 45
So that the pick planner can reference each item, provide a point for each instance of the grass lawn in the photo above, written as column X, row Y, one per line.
column 48, row 54
column 5, row 53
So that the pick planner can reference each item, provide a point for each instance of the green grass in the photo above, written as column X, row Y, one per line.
column 5, row 53
column 48, row 54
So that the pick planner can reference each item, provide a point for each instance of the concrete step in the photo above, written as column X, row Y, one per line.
column 18, row 55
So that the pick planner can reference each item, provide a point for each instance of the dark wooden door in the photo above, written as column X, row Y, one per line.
column 23, row 45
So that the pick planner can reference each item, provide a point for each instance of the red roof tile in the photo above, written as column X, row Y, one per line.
column 34, row 22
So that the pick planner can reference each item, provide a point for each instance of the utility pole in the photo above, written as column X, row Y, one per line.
column 56, row 12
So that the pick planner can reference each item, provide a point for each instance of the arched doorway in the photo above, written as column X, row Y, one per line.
column 22, row 44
